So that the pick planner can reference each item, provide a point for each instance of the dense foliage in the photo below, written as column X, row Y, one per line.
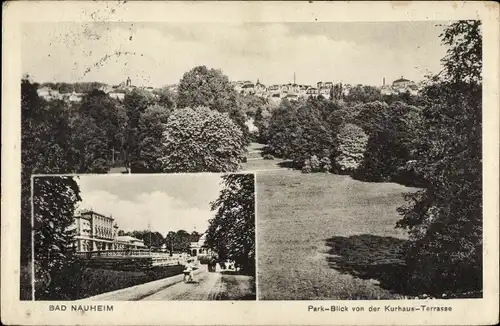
column 54, row 203
column 44, row 149
column 136, row 102
column 363, row 94
column 201, row 140
column 445, row 219
column 79, row 87
column 203, row 87
column 300, row 130
column 151, row 125
column 231, row 233
column 178, row 241
column 151, row 239
column 351, row 146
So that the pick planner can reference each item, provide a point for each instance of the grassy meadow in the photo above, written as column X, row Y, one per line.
column 326, row 236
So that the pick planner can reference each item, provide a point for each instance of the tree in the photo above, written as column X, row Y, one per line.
column 262, row 118
column 363, row 94
column 445, row 219
column 151, row 239
column 231, row 233
column 201, row 140
column 90, row 145
column 165, row 98
column 152, row 125
column 45, row 129
column 203, row 87
column 136, row 102
column 110, row 116
column 390, row 144
column 54, row 203
column 179, row 241
column 298, row 131
column 283, row 130
column 351, row 147
column 315, row 137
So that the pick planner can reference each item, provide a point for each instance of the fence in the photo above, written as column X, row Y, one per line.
column 127, row 253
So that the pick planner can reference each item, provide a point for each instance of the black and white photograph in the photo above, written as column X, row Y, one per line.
column 144, row 237
column 281, row 159
column 365, row 137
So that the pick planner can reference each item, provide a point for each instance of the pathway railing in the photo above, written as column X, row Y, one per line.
column 126, row 253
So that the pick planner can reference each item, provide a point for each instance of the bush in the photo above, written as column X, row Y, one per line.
column 315, row 164
column 201, row 140
column 351, row 147
column 306, row 168
column 268, row 157
column 325, row 165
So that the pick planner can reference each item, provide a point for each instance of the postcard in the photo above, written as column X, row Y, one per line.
column 250, row 163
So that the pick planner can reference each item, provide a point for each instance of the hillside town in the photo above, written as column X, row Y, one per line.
column 275, row 92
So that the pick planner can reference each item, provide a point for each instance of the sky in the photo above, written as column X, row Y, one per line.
column 168, row 202
column 158, row 54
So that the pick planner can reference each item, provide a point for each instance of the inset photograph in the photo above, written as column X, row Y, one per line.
column 144, row 237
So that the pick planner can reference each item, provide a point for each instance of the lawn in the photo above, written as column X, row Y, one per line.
column 326, row 236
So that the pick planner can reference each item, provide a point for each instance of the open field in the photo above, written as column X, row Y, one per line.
column 327, row 236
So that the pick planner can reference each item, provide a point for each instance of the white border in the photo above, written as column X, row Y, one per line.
column 465, row 312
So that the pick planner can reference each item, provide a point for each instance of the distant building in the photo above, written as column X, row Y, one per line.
column 312, row 92
column 129, row 242
column 49, row 94
column 248, row 89
column 260, row 88
column 294, row 89
column 325, row 92
column 199, row 248
column 117, row 95
column 401, row 83
column 75, row 97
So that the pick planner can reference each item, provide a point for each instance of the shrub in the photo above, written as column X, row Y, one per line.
column 306, row 168
column 315, row 163
column 268, row 157
column 351, row 147
column 325, row 165
column 201, row 140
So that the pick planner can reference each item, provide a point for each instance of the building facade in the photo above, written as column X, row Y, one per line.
column 199, row 249
column 97, row 232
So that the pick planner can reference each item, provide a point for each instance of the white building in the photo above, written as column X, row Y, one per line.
column 97, row 232
column 199, row 248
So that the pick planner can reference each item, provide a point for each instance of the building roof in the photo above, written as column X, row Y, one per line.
column 128, row 238
column 90, row 211
column 401, row 80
